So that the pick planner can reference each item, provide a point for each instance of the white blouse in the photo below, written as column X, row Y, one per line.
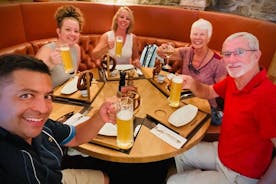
column 126, row 50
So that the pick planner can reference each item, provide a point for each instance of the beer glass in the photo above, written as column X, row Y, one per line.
column 124, row 120
column 66, row 58
column 175, row 92
column 119, row 46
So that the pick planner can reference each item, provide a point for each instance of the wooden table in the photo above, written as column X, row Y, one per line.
column 147, row 147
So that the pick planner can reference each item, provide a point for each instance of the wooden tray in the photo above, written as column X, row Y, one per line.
column 163, row 87
column 95, row 88
column 110, row 141
column 184, row 130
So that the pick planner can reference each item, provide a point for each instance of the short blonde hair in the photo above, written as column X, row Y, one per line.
column 203, row 24
column 114, row 26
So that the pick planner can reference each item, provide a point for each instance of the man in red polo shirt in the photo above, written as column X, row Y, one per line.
column 248, row 133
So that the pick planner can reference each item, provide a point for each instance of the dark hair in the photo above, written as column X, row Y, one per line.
column 12, row 62
column 68, row 11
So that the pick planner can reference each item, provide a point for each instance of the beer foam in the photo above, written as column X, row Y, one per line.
column 64, row 48
column 124, row 114
column 177, row 79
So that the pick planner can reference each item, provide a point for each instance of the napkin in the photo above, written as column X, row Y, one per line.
column 163, row 132
column 168, row 136
column 76, row 119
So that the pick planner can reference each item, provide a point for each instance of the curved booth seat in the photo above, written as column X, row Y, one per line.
column 33, row 24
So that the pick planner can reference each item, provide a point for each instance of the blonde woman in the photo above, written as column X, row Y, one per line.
column 122, row 25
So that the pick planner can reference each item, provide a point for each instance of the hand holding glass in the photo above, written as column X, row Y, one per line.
column 168, row 51
column 124, row 120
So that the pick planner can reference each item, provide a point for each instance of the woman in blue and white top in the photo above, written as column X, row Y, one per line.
column 122, row 25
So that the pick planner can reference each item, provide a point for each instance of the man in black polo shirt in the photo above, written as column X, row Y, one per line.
column 30, row 143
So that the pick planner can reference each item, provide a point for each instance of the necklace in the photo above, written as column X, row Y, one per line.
column 202, row 60
column 197, row 69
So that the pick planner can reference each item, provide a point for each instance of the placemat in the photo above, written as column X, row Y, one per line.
column 95, row 88
column 185, row 129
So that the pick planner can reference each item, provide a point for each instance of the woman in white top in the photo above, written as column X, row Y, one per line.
column 122, row 25
column 69, row 23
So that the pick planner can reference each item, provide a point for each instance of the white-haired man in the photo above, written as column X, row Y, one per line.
column 248, row 133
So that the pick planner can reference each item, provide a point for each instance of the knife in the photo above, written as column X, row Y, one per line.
column 69, row 101
column 64, row 117
column 186, row 94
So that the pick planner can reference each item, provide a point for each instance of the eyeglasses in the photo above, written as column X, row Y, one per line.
column 237, row 52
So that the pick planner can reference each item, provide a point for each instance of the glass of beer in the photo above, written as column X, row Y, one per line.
column 66, row 58
column 119, row 46
column 175, row 91
column 124, row 120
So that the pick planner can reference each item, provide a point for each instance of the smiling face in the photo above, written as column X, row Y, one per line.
column 239, row 65
column 123, row 19
column 25, row 103
column 69, row 32
column 199, row 37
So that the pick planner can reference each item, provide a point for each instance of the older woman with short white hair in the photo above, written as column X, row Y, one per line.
column 201, row 62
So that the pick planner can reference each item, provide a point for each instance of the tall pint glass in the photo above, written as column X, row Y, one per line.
column 119, row 46
column 175, row 92
column 66, row 58
column 124, row 119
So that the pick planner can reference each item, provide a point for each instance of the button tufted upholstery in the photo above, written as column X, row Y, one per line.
column 28, row 26
column 23, row 48
column 87, row 44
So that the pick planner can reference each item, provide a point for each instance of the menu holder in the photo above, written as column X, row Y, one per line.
column 110, row 141
column 95, row 88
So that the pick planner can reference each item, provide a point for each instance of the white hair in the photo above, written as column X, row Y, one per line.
column 253, row 42
column 203, row 24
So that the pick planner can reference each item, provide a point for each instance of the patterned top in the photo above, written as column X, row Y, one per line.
column 209, row 73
